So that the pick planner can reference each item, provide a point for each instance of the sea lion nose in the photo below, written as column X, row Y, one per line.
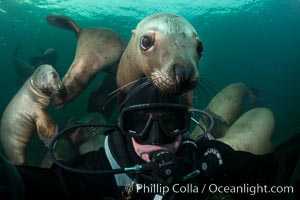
column 184, row 75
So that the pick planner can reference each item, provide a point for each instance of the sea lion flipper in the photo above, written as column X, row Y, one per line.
column 17, row 49
column 63, row 22
column 46, row 125
column 23, row 69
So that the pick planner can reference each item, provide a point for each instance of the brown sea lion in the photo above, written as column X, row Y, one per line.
column 49, row 57
column 235, row 129
column 27, row 112
column 251, row 132
column 166, row 48
column 97, row 49
column 225, row 108
column 25, row 68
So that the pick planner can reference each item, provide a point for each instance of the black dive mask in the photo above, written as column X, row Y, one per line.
column 155, row 124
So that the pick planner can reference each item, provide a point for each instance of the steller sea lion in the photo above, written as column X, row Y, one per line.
column 27, row 112
column 225, row 108
column 25, row 68
column 165, row 48
column 97, row 49
column 249, row 132
column 49, row 57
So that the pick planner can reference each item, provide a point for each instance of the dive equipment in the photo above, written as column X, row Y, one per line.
column 136, row 120
column 162, row 162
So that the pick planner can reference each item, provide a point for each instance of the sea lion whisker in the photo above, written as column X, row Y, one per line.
column 211, row 88
column 152, row 90
column 203, row 94
column 210, row 84
column 174, row 70
column 206, row 90
column 128, row 84
column 114, row 93
column 137, row 89
column 110, row 99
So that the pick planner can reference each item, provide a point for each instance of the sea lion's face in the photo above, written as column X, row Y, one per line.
column 47, row 80
column 169, row 52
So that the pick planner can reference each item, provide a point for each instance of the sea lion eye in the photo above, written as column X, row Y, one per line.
column 200, row 49
column 146, row 42
column 53, row 75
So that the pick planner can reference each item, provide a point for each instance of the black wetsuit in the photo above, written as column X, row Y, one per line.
column 233, row 168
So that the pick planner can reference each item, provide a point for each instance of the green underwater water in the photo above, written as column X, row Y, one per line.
column 256, row 42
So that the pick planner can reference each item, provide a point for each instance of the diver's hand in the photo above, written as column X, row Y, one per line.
column 80, row 135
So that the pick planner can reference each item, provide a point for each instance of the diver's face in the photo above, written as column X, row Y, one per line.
column 144, row 150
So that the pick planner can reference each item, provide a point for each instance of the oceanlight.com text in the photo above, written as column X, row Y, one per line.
column 250, row 189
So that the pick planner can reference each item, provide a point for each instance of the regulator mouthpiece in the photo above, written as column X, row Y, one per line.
column 164, row 163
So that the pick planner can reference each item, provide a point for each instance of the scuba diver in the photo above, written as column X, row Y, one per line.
column 25, row 68
column 150, row 155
